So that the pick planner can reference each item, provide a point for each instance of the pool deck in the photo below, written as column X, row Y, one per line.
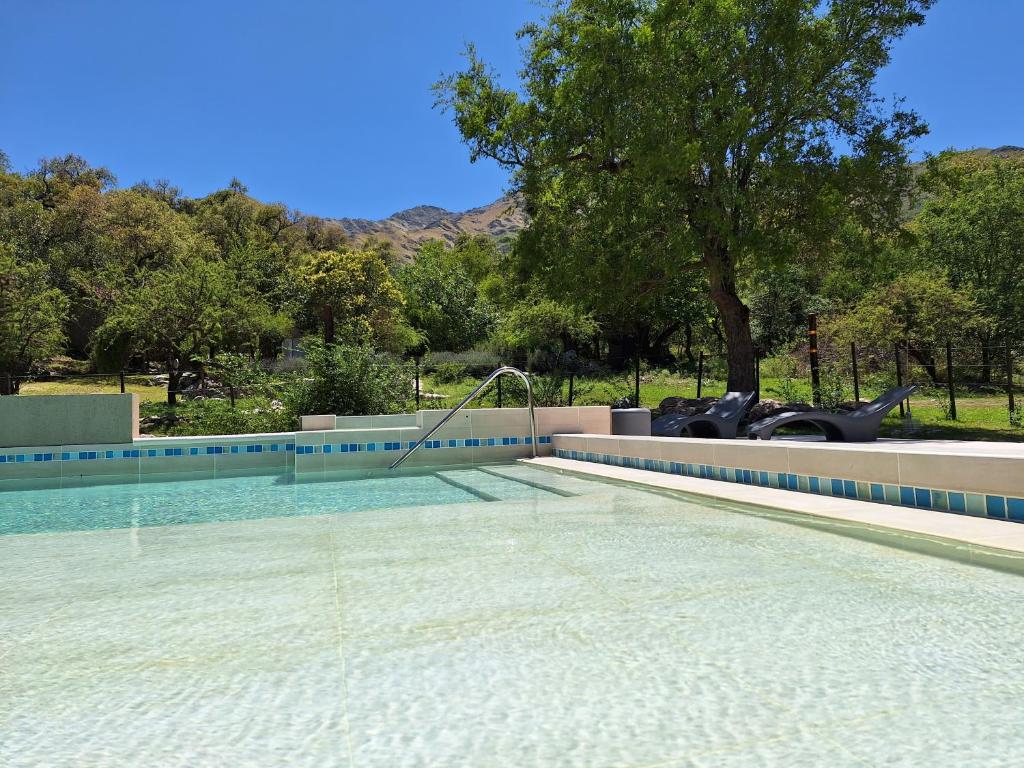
column 995, row 543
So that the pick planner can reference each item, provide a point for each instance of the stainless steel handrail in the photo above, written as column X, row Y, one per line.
column 499, row 372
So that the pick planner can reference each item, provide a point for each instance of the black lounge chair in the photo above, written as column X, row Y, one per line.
column 721, row 420
column 859, row 426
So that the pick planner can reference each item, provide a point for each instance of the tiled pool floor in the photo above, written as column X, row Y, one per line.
column 613, row 628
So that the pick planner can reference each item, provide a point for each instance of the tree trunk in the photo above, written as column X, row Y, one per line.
column 735, row 319
column 688, row 348
column 659, row 352
column 173, row 381
column 986, row 362
column 9, row 385
column 927, row 361
column 328, row 315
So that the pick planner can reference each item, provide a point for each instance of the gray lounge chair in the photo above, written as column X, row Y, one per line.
column 859, row 426
column 721, row 420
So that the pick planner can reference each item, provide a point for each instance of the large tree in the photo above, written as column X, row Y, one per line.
column 356, row 298
column 727, row 114
column 441, row 298
column 972, row 226
column 32, row 313
column 184, row 313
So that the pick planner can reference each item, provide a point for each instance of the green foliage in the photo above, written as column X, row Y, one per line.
column 540, row 323
column 237, row 370
column 217, row 417
column 185, row 312
column 973, row 227
column 833, row 389
column 921, row 307
column 356, row 297
column 440, row 288
column 450, row 373
column 350, row 381
column 649, row 139
column 31, row 315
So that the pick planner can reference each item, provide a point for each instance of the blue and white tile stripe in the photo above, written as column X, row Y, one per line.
column 959, row 502
column 263, row 447
column 468, row 442
column 147, row 453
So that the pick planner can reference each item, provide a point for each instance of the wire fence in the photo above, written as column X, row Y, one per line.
column 831, row 375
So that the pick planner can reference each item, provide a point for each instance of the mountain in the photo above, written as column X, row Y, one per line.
column 408, row 229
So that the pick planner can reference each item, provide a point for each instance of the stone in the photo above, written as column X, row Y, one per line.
column 767, row 408
column 686, row 406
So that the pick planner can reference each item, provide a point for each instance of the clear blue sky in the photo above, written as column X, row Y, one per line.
column 325, row 105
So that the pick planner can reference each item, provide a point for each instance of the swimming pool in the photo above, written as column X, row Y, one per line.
column 499, row 615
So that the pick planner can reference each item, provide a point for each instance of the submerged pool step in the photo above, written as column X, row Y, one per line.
column 561, row 485
column 489, row 486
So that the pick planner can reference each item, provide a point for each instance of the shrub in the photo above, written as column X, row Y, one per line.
column 350, row 381
column 832, row 389
column 478, row 361
column 217, row 417
column 450, row 373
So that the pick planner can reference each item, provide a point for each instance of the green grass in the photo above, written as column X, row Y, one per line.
column 980, row 417
column 92, row 385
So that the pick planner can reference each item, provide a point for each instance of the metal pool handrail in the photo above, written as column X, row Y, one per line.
column 499, row 372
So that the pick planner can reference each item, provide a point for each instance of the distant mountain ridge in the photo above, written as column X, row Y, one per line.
column 407, row 230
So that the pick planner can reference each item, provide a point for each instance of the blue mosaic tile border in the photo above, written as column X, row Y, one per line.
column 147, row 453
column 468, row 442
column 958, row 502
column 237, row 448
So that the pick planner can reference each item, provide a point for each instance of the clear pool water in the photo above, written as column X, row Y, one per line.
column 498, row 617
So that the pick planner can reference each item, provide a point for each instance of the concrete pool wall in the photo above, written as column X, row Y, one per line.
column 474, row 436
column 972, row 478
column 70, row 419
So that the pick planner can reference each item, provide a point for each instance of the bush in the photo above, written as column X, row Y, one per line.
column 478, row 361
column 350, row 381
column 450, row 373
column 217, row 417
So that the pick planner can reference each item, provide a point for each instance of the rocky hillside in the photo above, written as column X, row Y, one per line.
column 406, row 230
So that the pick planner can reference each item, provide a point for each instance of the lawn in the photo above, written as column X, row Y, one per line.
column 97, row 384
column 980, row 417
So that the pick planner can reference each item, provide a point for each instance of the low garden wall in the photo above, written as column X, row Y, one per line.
column 68, row 419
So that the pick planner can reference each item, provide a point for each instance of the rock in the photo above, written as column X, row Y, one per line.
column 155, row 422
column 767, row 408
column 686, row 406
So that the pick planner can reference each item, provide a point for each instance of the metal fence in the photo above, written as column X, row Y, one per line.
column 826, row 373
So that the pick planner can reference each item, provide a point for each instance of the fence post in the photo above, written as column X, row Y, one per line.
column 700, row 372
column 417, row 383
column 1009, row 376
column 637, row 377
column 231, row 394
column 899, row 377
column 856, row 372
column 571, row 377
column 812, row 339
column 757, row 376
column 906, row 358
column 950, row 381
column 122, row 381
column 499, row 391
